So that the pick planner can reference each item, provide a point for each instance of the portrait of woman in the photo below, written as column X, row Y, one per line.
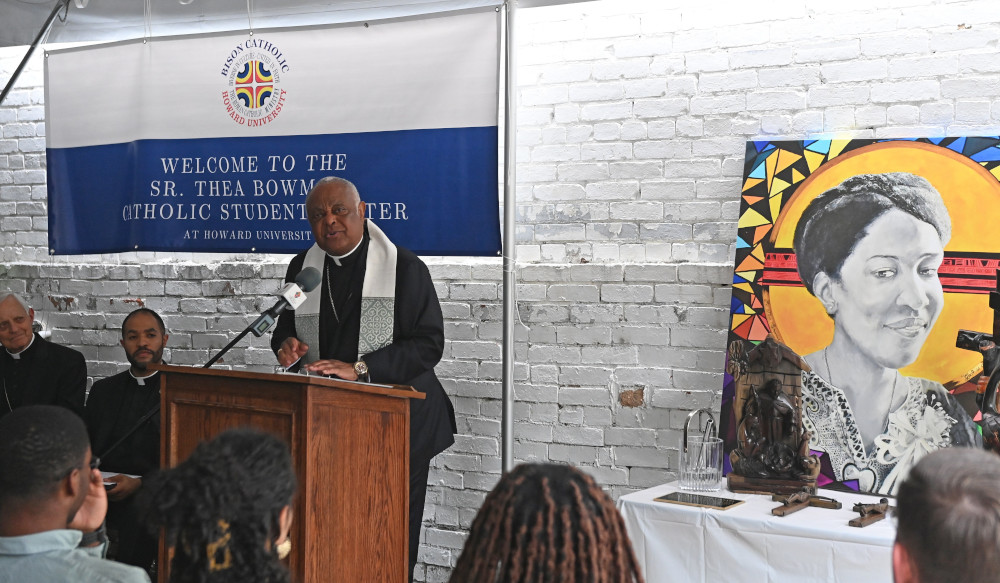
column 869, row 250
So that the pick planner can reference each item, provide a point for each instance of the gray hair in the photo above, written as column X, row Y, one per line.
column 334, row 180
column 949, row 516
column 17, row 298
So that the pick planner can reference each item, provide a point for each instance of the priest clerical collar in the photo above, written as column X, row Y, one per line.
column 17, row 355
column 142, row 380
column 337, row 258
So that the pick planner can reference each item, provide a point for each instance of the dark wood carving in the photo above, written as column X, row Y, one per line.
column 792, row 503
column 772, row 452
column 814, row 500
column 870, row 513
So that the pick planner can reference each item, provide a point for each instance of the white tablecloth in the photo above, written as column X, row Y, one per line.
column 746, row 543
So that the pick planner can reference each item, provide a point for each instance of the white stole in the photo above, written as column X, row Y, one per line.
column 378, row 297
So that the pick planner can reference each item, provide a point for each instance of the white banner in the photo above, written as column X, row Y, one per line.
column 407, row 109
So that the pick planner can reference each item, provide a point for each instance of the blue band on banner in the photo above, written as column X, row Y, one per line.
column 434, row 192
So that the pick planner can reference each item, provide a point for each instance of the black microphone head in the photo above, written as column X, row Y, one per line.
column 308, row 279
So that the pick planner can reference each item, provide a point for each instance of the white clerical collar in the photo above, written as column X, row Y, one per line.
column 337, row 258
column 141, row 380
column 17, row 355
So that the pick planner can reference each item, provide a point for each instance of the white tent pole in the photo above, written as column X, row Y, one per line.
column 509, row 243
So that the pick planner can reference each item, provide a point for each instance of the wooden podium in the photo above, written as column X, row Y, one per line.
column 350, row 445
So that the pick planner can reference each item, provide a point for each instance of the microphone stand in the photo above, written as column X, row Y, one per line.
column 259, row 326
column 305, row 282
column 131, row 430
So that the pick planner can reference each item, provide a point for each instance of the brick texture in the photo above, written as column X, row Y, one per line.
column 631, row 130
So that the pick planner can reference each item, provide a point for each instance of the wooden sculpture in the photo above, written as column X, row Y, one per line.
column 813, row 500
column 870, row 513
column 772, row 452
column 793, row 503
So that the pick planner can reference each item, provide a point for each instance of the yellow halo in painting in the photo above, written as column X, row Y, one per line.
column 972, row 196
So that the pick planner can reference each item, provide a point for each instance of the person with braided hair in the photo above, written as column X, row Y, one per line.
column 547, row 523
column 226, row 509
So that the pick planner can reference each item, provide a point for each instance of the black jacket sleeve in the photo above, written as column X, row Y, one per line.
column 418, row 334
column 72, row 382
column 59, row 377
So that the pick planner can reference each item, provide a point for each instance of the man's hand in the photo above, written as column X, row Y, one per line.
column 125, row 486
column 291, row 350
column 337, row 368
column 95, row 506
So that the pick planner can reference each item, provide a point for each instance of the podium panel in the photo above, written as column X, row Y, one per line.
column 350, row 447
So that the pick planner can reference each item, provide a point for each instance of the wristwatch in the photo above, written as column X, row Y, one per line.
column 361, row 369
column 99, row 536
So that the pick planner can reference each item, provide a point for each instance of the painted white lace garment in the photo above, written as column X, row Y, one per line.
column 919, row 426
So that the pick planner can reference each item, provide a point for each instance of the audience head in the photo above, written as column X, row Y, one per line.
column 547, row 522
column 225, row 509
column 44, row 461
column 949, row 519
column 143, row 337
column 16, row 319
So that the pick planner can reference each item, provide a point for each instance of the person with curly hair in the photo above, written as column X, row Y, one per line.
column 226, row 509
column 547, row 523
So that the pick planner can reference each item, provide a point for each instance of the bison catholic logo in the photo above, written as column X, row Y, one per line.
column 253, row 95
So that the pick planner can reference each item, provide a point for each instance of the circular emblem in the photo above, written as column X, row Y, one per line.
column 253, row 95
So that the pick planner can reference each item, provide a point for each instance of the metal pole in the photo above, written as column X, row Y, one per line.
column 62, row 4
column 509, row 244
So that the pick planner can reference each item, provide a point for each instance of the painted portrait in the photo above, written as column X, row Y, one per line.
column 866, row 257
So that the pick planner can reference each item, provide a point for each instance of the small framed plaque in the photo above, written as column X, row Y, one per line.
column 689, row 499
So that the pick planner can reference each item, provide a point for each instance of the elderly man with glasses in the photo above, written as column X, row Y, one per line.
column 52, row 502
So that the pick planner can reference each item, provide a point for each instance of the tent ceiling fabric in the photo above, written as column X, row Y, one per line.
column 109, row 20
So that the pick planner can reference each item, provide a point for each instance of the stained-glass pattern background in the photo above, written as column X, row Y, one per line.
column 779, row 180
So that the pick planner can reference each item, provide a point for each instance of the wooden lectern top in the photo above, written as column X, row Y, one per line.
column 389, row 390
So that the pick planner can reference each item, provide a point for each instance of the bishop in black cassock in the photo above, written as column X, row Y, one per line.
column 34, row 371
column 415, row 338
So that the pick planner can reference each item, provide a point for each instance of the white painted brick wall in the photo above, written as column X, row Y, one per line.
column 631, row 129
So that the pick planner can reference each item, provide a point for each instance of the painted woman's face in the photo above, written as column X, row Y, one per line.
column 888, row 295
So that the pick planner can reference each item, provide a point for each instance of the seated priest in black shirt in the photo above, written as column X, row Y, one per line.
column 376, row 317
column 117, row 406
column 34, row 371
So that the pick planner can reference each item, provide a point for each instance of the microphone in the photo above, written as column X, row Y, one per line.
column 291, row 295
